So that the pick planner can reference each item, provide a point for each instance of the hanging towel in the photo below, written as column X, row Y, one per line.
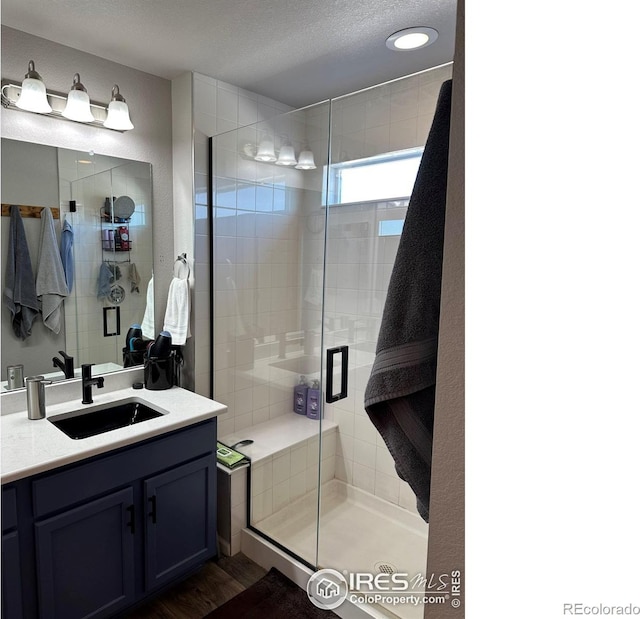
column 66, row 253
column 19, row 284
column 134, row 278
column 116, row 273
column 105, row 279
column 148, row 321
column 400, row 394
column 176, row 318
column 51, row 285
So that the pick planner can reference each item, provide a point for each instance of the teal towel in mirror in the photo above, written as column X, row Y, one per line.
column 66, row 253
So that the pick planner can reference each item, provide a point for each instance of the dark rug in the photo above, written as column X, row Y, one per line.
column 274, row 596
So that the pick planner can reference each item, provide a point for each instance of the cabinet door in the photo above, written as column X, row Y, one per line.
column 180, row 521
column 85, row 559
column 11, row 582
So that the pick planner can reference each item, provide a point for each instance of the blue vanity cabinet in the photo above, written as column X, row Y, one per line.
column 85, row 559
column 11, row 578
column 103, row 534
column 179, row 530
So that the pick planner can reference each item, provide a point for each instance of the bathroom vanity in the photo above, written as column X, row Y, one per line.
column 93, row 526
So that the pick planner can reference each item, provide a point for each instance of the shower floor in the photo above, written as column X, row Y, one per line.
column 358, row 533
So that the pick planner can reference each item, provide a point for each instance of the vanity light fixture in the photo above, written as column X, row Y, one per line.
column 118, row 112
column 266, row 150
column 32, row 96
column 286, row 156
column 305, row 160
column 77, row 107
column 412, row 38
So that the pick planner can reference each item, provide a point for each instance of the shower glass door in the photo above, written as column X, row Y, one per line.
column 368, row 521
column 105, row 307
column 302, row 256
column 268, row 229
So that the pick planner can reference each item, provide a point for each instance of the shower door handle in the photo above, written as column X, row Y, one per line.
column 344, row 378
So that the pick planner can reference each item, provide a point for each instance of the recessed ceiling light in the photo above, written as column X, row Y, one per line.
column 412, row 38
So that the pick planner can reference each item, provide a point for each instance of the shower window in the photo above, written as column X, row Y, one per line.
column 383, row 177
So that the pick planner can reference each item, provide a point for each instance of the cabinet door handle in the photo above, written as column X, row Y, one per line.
column 153, row 512
column 132, row 523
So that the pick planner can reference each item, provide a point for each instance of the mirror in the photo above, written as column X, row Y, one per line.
column 112, row 252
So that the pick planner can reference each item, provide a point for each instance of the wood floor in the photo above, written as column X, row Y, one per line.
column 193, row 598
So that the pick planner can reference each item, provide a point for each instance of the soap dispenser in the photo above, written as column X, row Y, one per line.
column 313, row 400
column 300, row 397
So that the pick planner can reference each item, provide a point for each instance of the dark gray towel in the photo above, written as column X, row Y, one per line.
column 19, row 284
column 400, row 394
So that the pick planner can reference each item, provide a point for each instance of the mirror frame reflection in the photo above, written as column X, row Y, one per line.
column 112, row 251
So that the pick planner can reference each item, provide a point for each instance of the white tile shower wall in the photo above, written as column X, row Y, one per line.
column 289, row 474
column 257, row 320
column 243, row 234
column 391, row 117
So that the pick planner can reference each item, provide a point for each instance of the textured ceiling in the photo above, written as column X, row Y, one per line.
column 295, row 51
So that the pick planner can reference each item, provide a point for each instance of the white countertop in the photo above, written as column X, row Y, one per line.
column 33, row 446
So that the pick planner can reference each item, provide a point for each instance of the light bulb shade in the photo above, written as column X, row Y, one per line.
column 118, row 112
column 118, row 116
column 305, row 161
column 286, row 157
column 266, row 151
column 33, row 95
column 78, row 107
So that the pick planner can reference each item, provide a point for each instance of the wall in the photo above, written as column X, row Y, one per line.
column 447, row 513
column 183, row 200
column 149, row 100
column 218, row 108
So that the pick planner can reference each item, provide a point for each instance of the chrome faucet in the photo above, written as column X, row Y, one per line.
column 88, row 382
column 66, row 366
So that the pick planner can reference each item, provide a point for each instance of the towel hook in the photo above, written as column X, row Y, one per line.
column 182, row 258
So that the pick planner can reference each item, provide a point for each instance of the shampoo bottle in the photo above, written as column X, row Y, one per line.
column 313, row 400
column 300, row 397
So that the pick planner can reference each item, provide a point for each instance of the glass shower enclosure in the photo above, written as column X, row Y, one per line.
column 112, row 227
column 307, row 212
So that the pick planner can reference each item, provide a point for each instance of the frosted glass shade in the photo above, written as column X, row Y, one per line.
column 266, row 151
column 118, row 116
column 33, row 97
column 286, row 156
column 77, row 107
column 305, row 161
